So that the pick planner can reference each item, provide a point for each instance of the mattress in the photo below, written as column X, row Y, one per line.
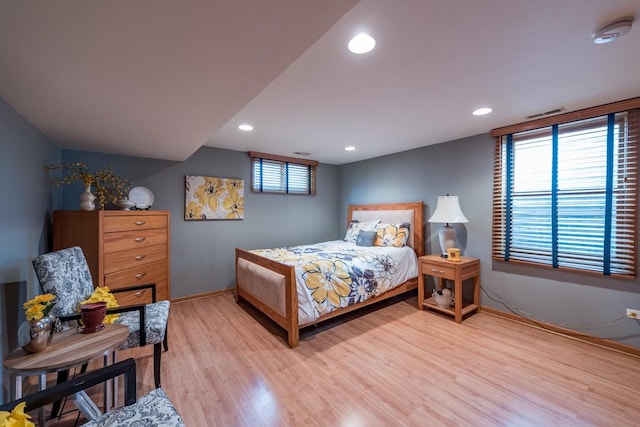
column 337, row 274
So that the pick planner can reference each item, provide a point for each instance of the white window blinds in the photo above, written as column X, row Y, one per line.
column 277, row 174
column 565, row 195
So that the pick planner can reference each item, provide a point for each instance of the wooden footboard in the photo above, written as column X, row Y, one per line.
column 271, row 286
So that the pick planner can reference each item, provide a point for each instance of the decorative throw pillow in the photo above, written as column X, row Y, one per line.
column 356, row 226
column 395, row 235
column 366, row 238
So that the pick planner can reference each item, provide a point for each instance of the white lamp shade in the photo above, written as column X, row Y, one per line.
column 448, row 211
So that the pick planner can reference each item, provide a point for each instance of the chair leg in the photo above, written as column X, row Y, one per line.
column 157, row 354
column 62, row 377
column 165, row 342
column 55, row 408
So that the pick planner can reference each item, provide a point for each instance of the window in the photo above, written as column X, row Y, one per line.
column 278, row 174
column 565, row 191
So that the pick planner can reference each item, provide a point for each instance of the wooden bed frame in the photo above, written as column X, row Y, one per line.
column 277, row 295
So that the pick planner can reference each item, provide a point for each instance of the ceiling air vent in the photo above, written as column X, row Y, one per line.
column 546, row 113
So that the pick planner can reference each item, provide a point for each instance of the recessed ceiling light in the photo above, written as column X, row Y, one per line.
column 613, row 31
column 245, row 127
column 349, row 148
column 482, row 111
column 362, row 43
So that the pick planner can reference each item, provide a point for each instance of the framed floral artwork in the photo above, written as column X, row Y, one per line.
column 213, row 198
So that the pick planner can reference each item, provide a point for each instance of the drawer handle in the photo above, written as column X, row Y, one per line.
column 139, row 257
column 140, row 293
column 140, row 276
column 433, row 270
column 140, row 222
column 140, row 239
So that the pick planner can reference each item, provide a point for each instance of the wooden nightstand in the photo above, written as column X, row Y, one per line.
column 435, row 266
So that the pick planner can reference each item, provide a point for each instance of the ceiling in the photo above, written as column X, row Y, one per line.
column 160, row 79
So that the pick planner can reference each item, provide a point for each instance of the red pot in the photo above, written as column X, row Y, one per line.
column 92, row 316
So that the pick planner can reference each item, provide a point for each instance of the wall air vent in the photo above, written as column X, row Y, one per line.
column 546, row 113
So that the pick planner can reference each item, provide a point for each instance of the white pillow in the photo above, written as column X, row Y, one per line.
column 356, row 226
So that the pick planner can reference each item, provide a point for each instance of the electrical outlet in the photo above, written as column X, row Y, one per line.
column 633, row 314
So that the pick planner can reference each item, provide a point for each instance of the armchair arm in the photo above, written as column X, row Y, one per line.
column 58, row 391
column 152, row 286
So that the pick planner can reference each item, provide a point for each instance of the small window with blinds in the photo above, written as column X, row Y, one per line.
column 565, row 194
column 285, row 175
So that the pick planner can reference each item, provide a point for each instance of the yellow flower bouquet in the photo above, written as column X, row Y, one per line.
column 16, row 418
column 39, row 306
column 103, row 294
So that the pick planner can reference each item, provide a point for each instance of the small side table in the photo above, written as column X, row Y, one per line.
column 442, row 268
column 67, row 349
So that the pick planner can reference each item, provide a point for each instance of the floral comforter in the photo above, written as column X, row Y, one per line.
column 337, row 274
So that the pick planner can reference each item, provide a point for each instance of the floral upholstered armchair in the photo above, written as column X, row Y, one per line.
column 65, row 273
column 152, row 409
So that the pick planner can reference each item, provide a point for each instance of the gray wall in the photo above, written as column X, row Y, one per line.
column 202, row 255
column 24, row 209
column 202, row 252
column 594, row 305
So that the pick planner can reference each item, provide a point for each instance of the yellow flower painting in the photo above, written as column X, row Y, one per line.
column 213, row 198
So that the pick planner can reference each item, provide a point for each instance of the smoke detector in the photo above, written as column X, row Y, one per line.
column 613, row 31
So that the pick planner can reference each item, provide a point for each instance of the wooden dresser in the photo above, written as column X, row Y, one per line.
column 123, row 248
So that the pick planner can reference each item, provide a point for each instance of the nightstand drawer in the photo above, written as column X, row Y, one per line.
column 436, row 270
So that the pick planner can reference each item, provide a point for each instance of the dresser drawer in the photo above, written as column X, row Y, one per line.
column 438, row 270
column 116, row 261
column 144, row 296
column 151, row 273
column 148, row 273
column 133, row 222
column 114, row 242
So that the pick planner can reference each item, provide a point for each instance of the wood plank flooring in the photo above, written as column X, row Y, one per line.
column 392, row 366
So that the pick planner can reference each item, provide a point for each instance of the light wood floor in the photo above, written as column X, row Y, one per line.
column 392, row 366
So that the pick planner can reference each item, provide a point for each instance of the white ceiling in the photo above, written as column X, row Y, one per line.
column 161, row 78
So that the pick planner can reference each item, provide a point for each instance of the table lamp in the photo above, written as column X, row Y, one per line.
column 448, row 212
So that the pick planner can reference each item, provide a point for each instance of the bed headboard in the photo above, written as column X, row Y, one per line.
column 413, row 213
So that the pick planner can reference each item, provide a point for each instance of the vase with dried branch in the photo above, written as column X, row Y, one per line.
column 109, row 187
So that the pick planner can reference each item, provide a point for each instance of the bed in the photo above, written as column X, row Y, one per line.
column 282, row 284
